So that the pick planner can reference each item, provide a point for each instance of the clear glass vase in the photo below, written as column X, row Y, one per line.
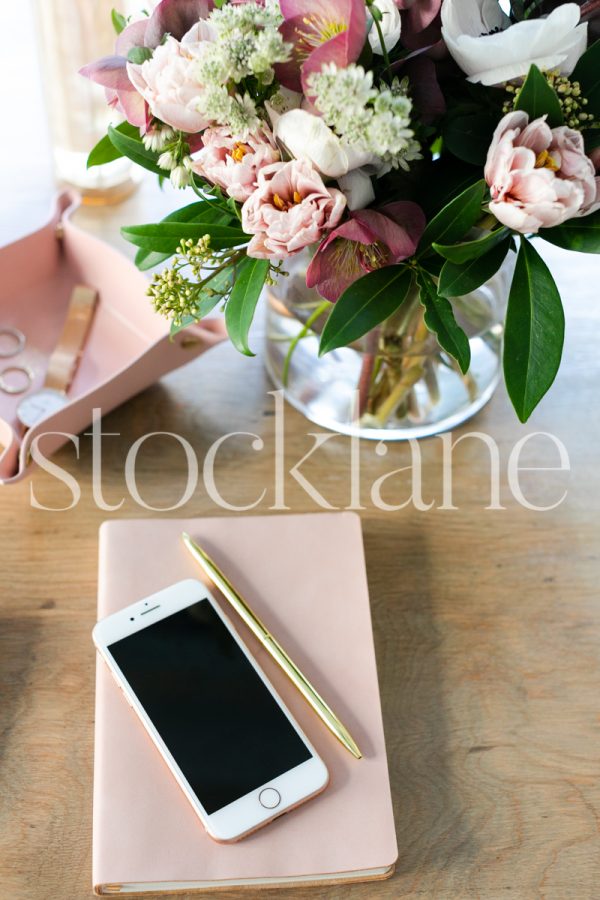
column 396, row 382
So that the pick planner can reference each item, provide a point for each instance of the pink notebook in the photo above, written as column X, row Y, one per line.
column 304, row 575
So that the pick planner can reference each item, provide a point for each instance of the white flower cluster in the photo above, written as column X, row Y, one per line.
column 248, row 42
column 157, row 137
column 237, row 112
column 247, row 45
column 371, row 119
column 178, row 164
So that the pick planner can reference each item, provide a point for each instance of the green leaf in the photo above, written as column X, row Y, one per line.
column 582, row 234
column 165, row 237
column 134, row 150
column 534, row 332
column 433, row 264
column 446, row 178
column 460, row 253
column 591, row 139
column 454, row 220
column 537, row 98
column 439, row 318
column 139, row 55
column 119, row 21
column 458, row 279
column 587, row 73
column 105, row 151
column 239, row 310
column 469, row 137
column 517, row 8
column 201, row 211
column 185, row 323
column 365, row 304
column 213, row 293
column 148, row 259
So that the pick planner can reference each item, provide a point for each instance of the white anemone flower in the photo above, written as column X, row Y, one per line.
column 490, row 50
column 306, row 135
column 281, row 102
column 357, row 189
column 390, row 25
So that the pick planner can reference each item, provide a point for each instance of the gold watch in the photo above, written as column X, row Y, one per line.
column 64, row 361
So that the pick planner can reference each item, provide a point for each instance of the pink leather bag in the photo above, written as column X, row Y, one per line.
column 128, row 347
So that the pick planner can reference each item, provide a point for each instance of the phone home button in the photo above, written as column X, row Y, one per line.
column 269, row 798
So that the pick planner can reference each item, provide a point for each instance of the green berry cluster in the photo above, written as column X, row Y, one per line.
column 276, row 271
column 572, row 101
column 570, row 96
column 194, row 254
column 172, row 293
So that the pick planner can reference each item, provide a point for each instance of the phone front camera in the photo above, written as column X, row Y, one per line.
column 131, row 619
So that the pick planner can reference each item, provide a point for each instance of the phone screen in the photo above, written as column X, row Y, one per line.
column 214, row 713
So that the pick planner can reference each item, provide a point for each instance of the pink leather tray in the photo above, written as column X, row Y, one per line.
column 128, row 347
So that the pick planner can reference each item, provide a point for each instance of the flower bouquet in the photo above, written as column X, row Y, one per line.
column 395, row 154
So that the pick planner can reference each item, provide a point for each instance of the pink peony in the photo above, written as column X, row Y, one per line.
column 369, row 240
column 290, row 209
column 173, row 17
column 168, row 82
column 539, row 177
column 568, row 150
column 234, row 165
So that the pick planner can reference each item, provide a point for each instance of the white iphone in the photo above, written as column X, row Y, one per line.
column 227, row 737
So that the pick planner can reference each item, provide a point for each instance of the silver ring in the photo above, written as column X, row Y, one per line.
column 12, row 389
column 17, row 335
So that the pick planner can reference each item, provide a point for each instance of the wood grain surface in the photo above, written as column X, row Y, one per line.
column 487, row 625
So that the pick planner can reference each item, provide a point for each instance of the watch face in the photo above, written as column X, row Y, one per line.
column 39, row 405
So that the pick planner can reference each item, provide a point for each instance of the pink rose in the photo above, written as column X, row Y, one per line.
column 539, row 177
column 168, row 82
column 290, row 209
column 234, row 165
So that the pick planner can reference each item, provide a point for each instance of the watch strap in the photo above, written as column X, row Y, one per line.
column 64, row 361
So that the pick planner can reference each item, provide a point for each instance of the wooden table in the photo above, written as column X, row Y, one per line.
column 487, row 624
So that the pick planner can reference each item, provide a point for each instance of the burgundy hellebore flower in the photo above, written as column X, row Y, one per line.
column 422, row 35
column 368, row 240
column 421, row 24
column 174, row 17
column 321, row 31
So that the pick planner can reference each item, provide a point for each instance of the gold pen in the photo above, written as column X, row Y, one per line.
column 273, row 647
